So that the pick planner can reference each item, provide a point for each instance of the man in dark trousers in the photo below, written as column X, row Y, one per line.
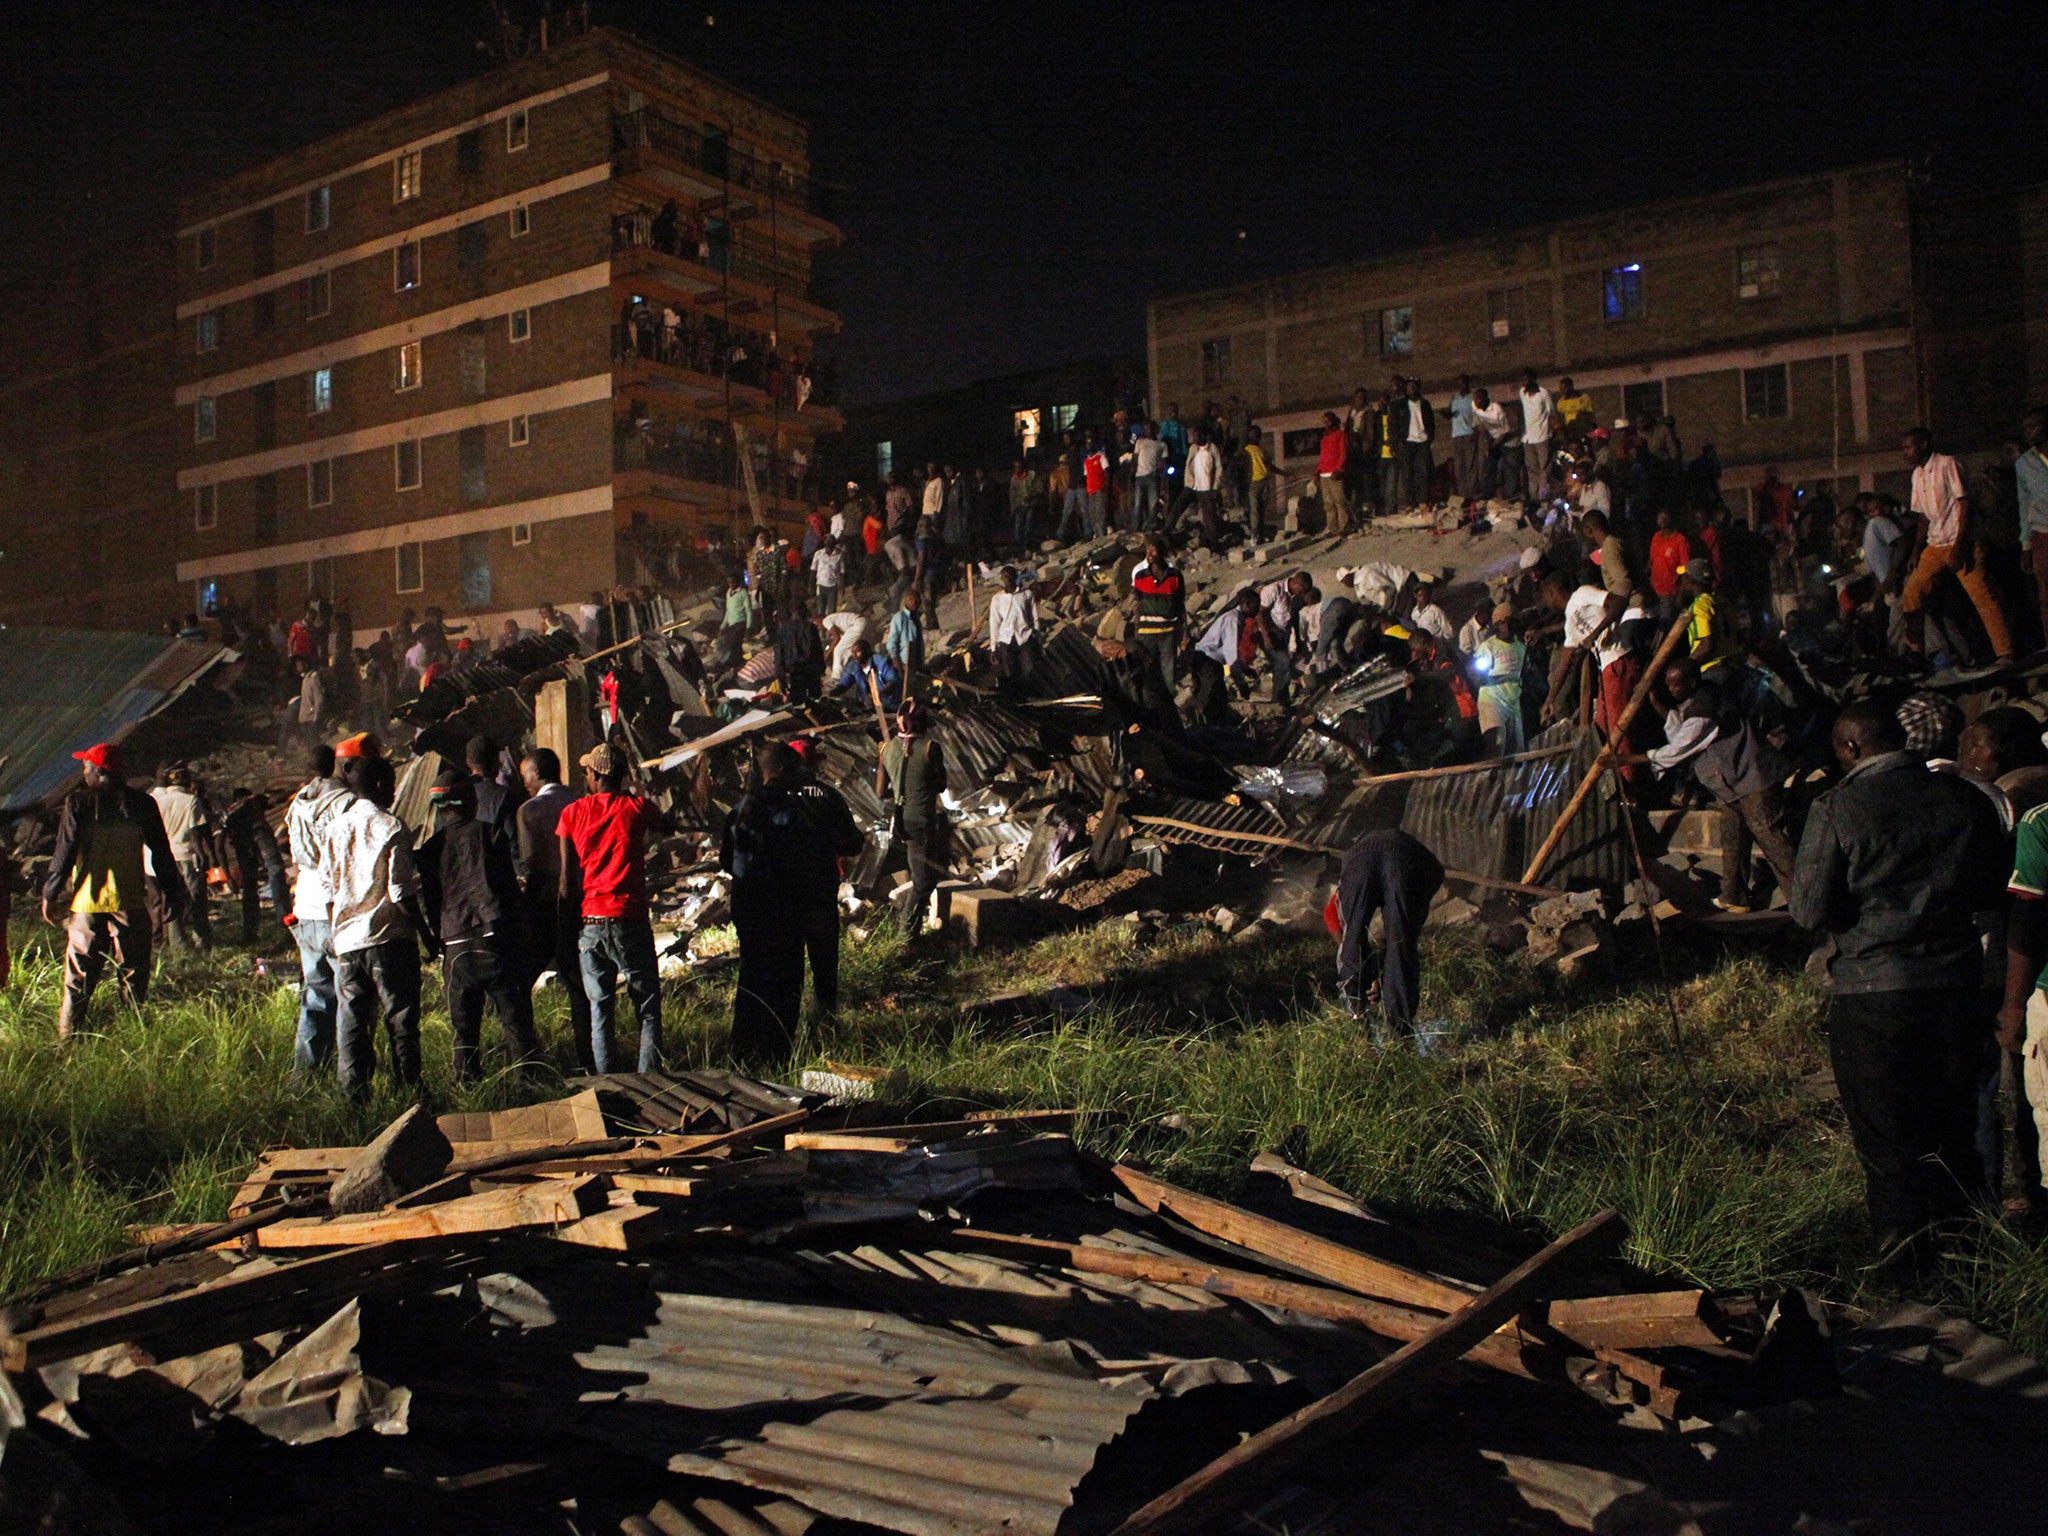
column 472, row 900
column 96, row 872
column 799, row 655
column 781, row 845
column 496, row 801
column 247, row 825
column 1893, row 862
column 552, row 923
column 911, row 777
column 1393, row 874
column 602, row 840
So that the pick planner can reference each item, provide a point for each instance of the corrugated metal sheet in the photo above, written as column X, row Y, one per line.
column 862, row 1414
column 63, row 689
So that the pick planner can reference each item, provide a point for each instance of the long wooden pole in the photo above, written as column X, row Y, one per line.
column 1605, row 760
column 1267, row 838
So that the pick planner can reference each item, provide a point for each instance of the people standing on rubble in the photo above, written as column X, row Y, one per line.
column 1893, row 862
column 1497, row 663
column 188, row 823
column 104, row 833
column 1026, row 489
column 1538, row 422
column 799, row 656
column 782, row 844
column 1205, row 485
column 1417, row 419
column 1258, row 484
column 1948, row 540
column 903, row 643
column 910, row 779
column 1490, row 424
column 602, row 842
column 1145, row 457
column 246, row 829
column 1159, row 631
column 1013, row 631
column 828, row 571
column 870, row 676
column 1226, row 651
column 738, row 619
column 552, row 924
column 472, row 900
column 1394, row 875
column 378, row 928
column 495, row 802
column 318, row 800
column 1283, row 605
column 1333, row 458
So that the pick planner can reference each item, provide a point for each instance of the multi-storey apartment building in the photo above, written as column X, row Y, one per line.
column 546, row 332
column 1777, row 322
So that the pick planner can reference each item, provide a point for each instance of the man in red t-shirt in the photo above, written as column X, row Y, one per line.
column 604, row 857
column 1669, row 551
column 1331, row 455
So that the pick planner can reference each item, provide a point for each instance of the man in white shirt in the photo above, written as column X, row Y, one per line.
column 1426, row 615
column 1588, row 612
column 1490, row 425
column 1949, row 545
column 189, row 826
column 828, row 566
column 1146, row 455
column 1205, row 482
column 305, row 823
column 378, row 927
column 1283, row 602
column 1539, row 414
column 842, row 629
column 1013, row 630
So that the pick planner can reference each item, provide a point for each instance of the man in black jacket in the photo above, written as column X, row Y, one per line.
column 247, row 826
column 799, row 655
column 1893, row 862
column 781, row 845
column 1414, row 420
column 472, row 899
column 96, row 870
column 1393, row 874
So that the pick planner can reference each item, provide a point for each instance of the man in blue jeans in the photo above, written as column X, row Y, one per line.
column 604, row 857
column 306, row 823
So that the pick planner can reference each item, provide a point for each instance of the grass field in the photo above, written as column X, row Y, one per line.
column 1721, row 1146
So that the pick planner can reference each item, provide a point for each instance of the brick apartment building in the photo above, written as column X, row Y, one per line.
column 429, row 361
column 1803, row 323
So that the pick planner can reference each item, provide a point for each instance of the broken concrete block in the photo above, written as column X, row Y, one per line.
column 1704, row 832
column 1453, row 913
column 1225, row 921
column 1256, row 931
column 408, row 1153
column 1557, row 911
column 983, row 916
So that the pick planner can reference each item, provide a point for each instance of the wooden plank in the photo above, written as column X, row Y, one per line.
column 1330, row 1262
column 626, row 1228
column 754, row 1172
column 1205, row 1500
column 575, row 1118
column 548, row 1202
column 864, row 1138
column 1650, row 1320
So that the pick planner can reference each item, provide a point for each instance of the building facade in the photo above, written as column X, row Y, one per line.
column 549, row 332
column 1781, row 323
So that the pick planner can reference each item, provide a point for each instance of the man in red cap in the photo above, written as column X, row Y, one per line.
column 101, row 836
column 603, row 842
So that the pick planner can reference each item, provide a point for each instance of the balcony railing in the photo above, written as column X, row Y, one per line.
column 705, row 345
column 690, row 238
column 703, row 451
column 718, row 158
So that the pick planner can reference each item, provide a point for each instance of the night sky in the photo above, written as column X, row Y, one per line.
column 1020, row 178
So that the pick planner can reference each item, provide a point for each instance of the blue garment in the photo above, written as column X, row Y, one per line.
column 314, row 1047
column 1219, row 641
column 1461, row 415
column 888, row 682
column 1174, row 434
column 904, row 643
column 607, row 949
column 2030, row 471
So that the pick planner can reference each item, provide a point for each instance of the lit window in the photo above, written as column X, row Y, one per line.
column 205, row 507
column 518, row 432
column 1027, row 429
column 316, row 295
column 407, row 366
column 522, row 533
column 205, row 244
column 1621, row 293
column 405, row 266
column 885, row 460
column 204, row 421
column 522, row 220
column 515, row 130
column 1766, row 393
column 1756, row 272
column 406, row 460
column 1397, row 331
column 1064, row 417
column 405, row 177
column 319, row 390
column 520, row 322
column 318, row 204
column 209, row 330
column 410, row 577
column 319, row 482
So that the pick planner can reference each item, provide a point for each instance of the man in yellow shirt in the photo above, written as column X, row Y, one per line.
column 1258, row 476
column 1574, row 409
column 101, row 837
column 1708, row 639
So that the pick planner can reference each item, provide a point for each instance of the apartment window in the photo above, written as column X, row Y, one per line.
column 320, row 482
column 522, row 533
column 1216, row 362
column 1064, row 417
column 205, row 248
column 205, row 507
column 1025, row 428
column 885, row 460
column 1621, row 293
column 405, row 177
column 1397, row 331
column 316, row 296
column 1766, row 393
column 204, row 421
column 470, row 245
column 469, row 152
column 520, row 324
column 407, row 366
column 515, row 131
column 405, row 457
column 319, row 391
column 1639, row 399
column 521, row 218
column 518, row 431
column 469, row 455
column 209, row 330
column 473, row 560
column 1756, row 272
column 471, row 361
column 1507, row 315
column 411, row 577
column 405, row 266
column 319, row 204
column 263, row 311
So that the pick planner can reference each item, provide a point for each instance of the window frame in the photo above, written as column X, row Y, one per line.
column 404, row 377
column 207, row 331
column 206, row 507
column 205, row 419
column 398, row 266
column 407, row 175
column 1501, row 307
column 518, row 130
column 1387, row 336
column 1216, row 362
column 519, row 325
column 321, row 197
column 518, row 430
column 319, row 391
column 522, row 535
column 1759, row 254
column 1625, row 281
column 419, row 465
column 312, row 468
column 419, row 566
column 205, row 247
column 321, row 282
column 1762, row 370
column 519, row 219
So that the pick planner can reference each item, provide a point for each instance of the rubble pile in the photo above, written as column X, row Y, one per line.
column 703, row 1302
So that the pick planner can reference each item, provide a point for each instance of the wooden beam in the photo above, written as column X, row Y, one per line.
column 547, row 1203
column 1205, row 1500
column 1649, row 1320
